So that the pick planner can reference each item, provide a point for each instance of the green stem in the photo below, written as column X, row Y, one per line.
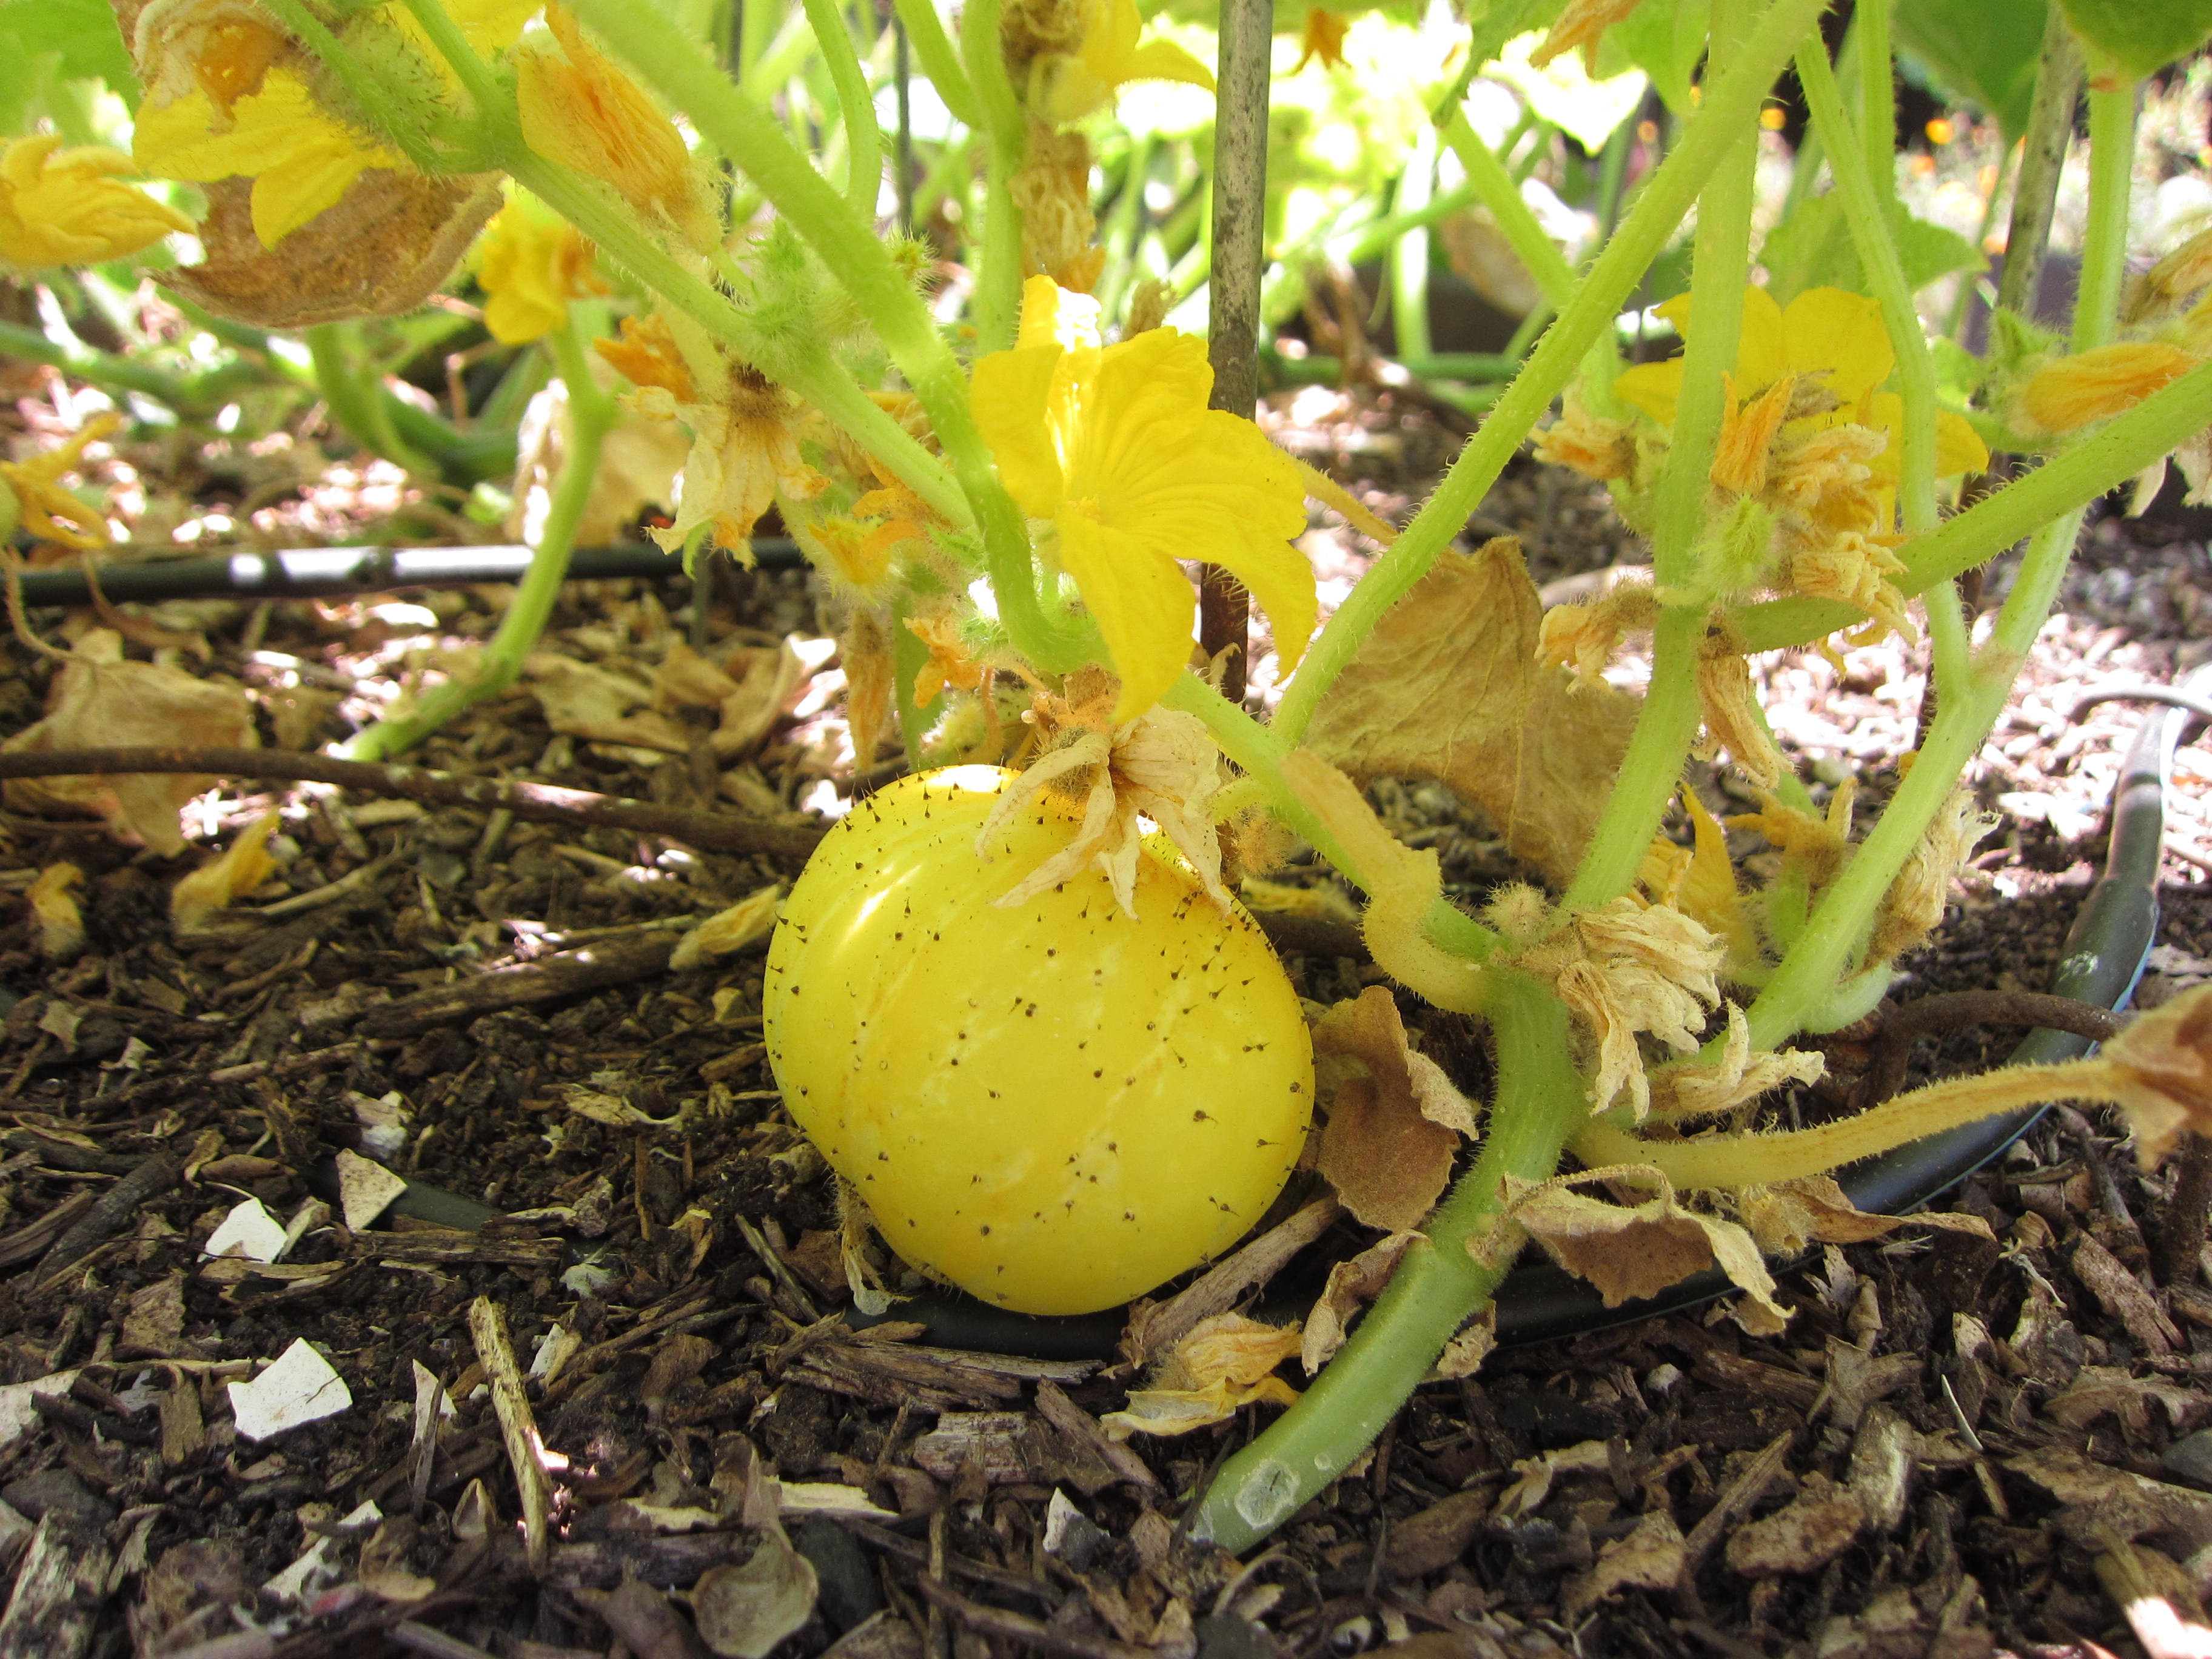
column 2104, row 237
column 473, row 73
column 1440, row 1284
column 1877, row 121
column 1870, row 227
column 356, row 402
column 996, row 307
column 863, row 155
column 1737, row 1161
column 392, row 120
column 592, row 416
column 1494, row 188
column 2106, row 459
column 1719, row 272
column 940, row 62
column 195, row 394
column 1258, row 751
column 1731, row 105
column 689, row 78
column 1651, row 771
column 1409, row 257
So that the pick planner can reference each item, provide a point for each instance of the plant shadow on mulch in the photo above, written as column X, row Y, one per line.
column 1960, row 1445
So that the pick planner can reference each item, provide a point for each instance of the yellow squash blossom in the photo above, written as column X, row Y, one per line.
column 1833, row 348
column 2092, row 385
column 531, row 265
column 1115, row 447
column 43, row 507
column 580, row 110
column 302, row 159
column 64, row 206
column 1064, row 88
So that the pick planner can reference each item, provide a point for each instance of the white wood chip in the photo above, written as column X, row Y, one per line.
column 300, row 1387
column 366, row 1190
column 248, row 1231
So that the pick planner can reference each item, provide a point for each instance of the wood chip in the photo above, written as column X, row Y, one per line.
column 518, row 1428
column 2123, row 1296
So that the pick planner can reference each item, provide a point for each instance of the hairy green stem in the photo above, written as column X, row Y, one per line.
column 592, row 416
column 850, row 248
column 1877, row 252
column 1440, row 1284
column 1409, row 256
column 1731, row 105
column 2106, row 459
column 941, row 60
column 1259, row 752
column 864, row 154
column 1720, row 270
column 1651, row 770
column 355, row 399
column 363, row 88
column 1737, row 1161
column 2104, row 237
column 996, row 306
column 1494, row 188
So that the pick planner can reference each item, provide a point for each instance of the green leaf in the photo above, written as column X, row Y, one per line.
column 82, row 34
column 1982, row 52
column 1664, row 39
column 2141, row 35
column 1493, row 23
column 1813, row 248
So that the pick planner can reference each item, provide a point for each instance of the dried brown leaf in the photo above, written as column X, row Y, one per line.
column 1351, row 1284
column 1651, row 1558
column 385, row 247
column 2164, row 1059
column 1226, row 1362
column 1447, row 687
column 98, row 700
column 744, row 1612
column 586, row 701
column 1395, row 1120
column 1632, row 1252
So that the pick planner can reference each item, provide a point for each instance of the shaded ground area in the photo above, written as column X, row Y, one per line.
column 1961, row 1443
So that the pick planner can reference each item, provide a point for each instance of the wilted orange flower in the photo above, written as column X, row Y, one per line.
column 66, row 207
column 2107, row 380
column 1748, row 432
column 1581, row 25
column 1859, row 569
column 950, row 663
column 648, row 356
column 1324, row 38
column 1595, row 446
column 580, row 110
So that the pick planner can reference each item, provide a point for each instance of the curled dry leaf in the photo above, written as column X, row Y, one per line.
column 1161, row 764
column 587, row 700
column 750, row 919
column 61, row 924
column 742, row 1611
column 1351, row 1284
column 1464, row 1354
column 384, row 248
column 2162, row 1064
column 1631, row 1252
column 1700, row 1088
column 1395, row 1120
column 223, row 881
column 1789, row 1215
column 749, row 688
column 98, row 700
column 1226, row 1362
column 636, row 470
column 1447, row 687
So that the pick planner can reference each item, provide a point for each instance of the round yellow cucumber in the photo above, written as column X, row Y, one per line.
column 1050, row 1104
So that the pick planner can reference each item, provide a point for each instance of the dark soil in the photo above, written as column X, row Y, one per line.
column 1960, row 1445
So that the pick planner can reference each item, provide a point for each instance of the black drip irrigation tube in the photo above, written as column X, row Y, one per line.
column 330, row 573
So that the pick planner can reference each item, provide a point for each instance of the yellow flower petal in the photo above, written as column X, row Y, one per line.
column 1958, row 448
column 1011, row 392
column 1652, row 387
column 1110, row 58
column 1143, row 606
column 302, row 160
column 1762, row 355
column 63, row 206
column 1829, row 330
column 2092, row 385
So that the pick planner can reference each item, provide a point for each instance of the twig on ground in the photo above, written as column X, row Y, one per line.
column 714, row 832
column 518, row 1428
column 110, row 1213
column 566, row 974
column 2179, row 1239
column 1020, row 1627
